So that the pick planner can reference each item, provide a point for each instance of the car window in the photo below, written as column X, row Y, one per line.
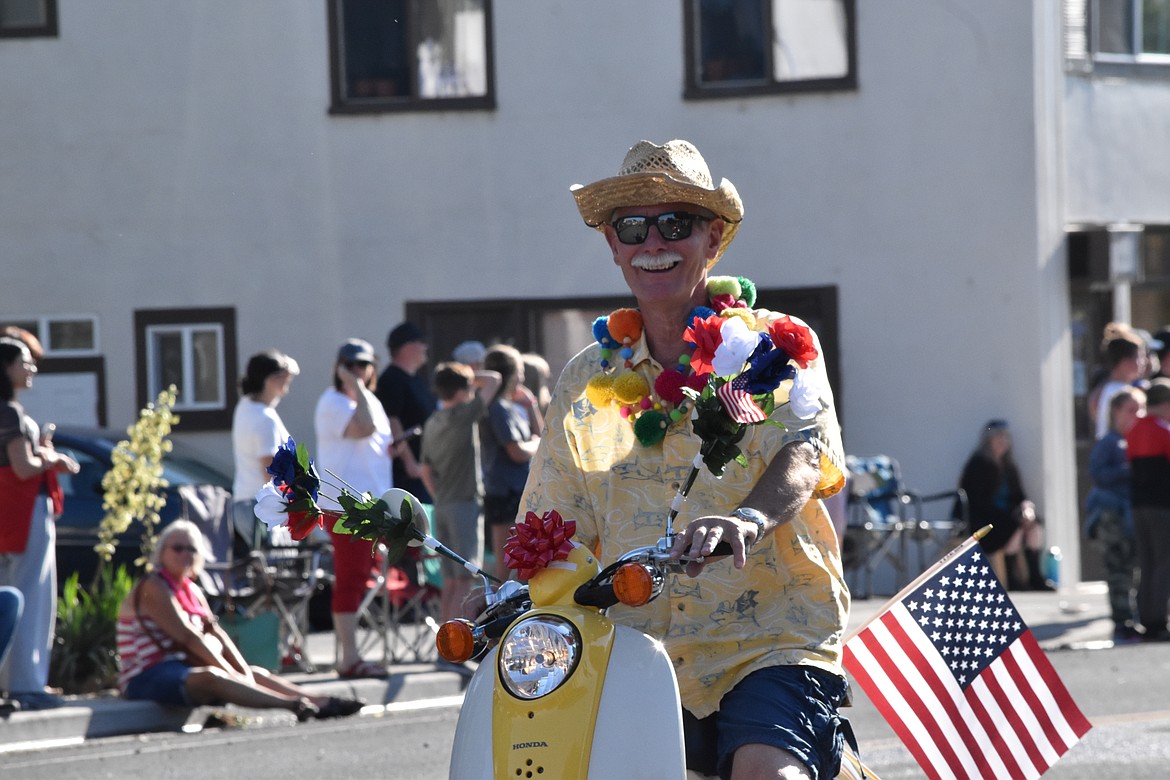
column 181, row 470
column 86, row 483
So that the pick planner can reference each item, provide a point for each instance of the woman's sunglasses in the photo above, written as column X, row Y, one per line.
column 672, row 226
column 184, row 548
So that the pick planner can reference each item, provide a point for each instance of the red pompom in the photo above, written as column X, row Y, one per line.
column 669, row 386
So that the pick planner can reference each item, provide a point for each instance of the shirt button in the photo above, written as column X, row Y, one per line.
column 674, row 486
column 682, row 607
column 678, row 661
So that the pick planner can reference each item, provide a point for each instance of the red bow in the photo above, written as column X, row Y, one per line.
column 537, row 542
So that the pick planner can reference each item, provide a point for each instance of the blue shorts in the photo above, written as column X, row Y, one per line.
column 165, row 683
column 793, row 708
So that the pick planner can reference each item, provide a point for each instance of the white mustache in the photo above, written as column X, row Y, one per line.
column 658, row 262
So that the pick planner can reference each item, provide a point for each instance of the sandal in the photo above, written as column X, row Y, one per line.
column 364, row 669
column 337, row 707
column 305, row 709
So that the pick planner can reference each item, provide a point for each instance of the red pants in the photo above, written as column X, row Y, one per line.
column 352, row 563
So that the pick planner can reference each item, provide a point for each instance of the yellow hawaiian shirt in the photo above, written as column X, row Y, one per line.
column 787, row 606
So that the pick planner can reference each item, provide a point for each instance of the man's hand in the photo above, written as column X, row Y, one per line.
column 702, row 535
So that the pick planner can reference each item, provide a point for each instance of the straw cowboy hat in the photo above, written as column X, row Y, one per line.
column 653, row 174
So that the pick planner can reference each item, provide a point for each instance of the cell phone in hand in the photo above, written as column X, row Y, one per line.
column 406, row 435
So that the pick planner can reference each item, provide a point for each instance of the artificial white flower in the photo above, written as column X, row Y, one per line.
column 270, row 506
column 805, row 395
column 738, row 344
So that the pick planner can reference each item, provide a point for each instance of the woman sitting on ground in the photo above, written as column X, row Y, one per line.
column 172, row 650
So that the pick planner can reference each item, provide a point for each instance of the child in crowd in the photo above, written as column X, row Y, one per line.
column 450, row 468
column 1148, row 450
column 1109, row 511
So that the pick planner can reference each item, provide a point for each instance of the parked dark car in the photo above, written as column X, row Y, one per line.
column 77, row 528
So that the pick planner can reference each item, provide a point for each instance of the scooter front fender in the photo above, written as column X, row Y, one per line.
column 637, row 726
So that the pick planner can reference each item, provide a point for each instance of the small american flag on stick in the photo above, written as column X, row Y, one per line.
column 956, row 673
column 738, row 402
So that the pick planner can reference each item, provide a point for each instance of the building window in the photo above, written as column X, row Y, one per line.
column 558, row 328
column 1118, row 37
column 194, row 350
column 1133, row 27
column 411, row 55
column 62, row 335
column 28, row 18
column 749, row 47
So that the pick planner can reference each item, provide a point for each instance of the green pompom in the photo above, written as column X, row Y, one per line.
column 748, row 288
column 650, row 428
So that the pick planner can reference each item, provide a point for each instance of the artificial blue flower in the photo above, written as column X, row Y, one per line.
column 284, row 464
column 767, row 367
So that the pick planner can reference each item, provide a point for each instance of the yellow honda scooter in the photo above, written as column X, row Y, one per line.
column 566, row 692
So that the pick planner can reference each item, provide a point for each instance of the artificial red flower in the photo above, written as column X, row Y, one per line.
column 301, row 524
column 705, row 335
column 537, row 542
column 795, row 339
column 727, row 301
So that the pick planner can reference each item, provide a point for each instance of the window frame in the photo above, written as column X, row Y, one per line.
column 693, row 90
column 1082, row 45
column 41, row 325
column 194, row 416
column 341, row 105
column 46, row 30
column 519, row 322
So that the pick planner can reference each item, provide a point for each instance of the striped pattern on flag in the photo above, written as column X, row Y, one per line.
column 738, row 403
column 962, row 681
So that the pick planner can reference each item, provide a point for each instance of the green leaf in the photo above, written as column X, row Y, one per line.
column 303, row 455
column 395, row 549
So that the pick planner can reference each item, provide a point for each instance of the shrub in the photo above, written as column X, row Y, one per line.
column 85, row 657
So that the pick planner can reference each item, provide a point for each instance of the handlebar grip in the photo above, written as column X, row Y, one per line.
column 723, row 548
column 599, row 596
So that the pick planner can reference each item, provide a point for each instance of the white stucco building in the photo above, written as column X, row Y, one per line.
column 184, row 184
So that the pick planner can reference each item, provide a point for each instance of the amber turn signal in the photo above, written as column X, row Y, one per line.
column 455, row 641
column 633, row 585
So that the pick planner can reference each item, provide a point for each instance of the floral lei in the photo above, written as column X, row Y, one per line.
column 727, row 349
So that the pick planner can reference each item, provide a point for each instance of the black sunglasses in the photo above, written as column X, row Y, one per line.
column 351, row 365
column 672, row 226
column 184, row 548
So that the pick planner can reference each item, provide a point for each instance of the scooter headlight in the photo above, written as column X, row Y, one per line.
column 537, row 655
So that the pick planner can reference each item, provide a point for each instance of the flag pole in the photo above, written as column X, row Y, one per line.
column 921, row 578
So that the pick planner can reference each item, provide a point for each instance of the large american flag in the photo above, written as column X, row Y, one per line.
column 959, row 677
column 738, row 402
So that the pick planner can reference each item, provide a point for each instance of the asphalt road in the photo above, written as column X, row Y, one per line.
column 1124, row 691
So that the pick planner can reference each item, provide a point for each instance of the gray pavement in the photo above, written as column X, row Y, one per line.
column 1074, row 617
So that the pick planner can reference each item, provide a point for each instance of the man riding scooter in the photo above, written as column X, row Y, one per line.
column 756, row 641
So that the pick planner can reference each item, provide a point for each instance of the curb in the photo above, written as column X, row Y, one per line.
column 1076, row 617
column 85, row 718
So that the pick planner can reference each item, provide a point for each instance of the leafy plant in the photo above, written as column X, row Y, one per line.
column 84, row 655
column 134, row 484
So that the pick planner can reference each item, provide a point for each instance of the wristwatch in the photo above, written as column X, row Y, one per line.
column 752, row 516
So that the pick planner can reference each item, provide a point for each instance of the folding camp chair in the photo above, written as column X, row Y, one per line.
column 294, row 573
column 399, row 613
column 885, row 518
column 234, row 579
